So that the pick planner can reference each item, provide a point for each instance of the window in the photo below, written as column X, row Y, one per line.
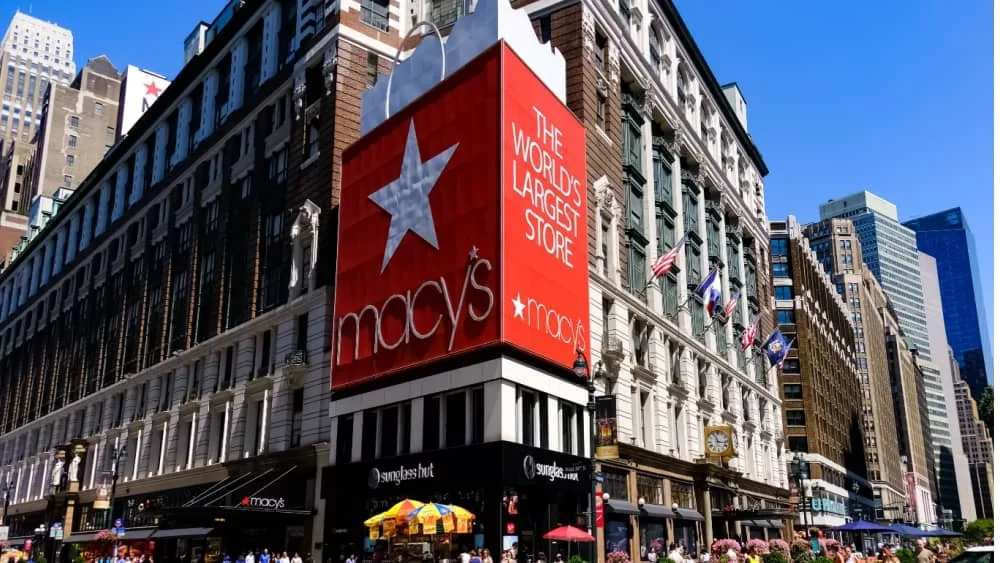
column 389, row 432
column 780, row 269
column 545, row 28
column 779, row 247
column 345, row 437
column 783, row 292
column 312, row 145
column 786, row 317
column 372, row 69
column 432, row 423
column 70, row 160
column 798, row 444
column 74, row 122
column 478, row 416
column 375, row 13
column 98, row 108
column 71, row 141
column 298, row 399
column 528, row 402
column 454, row 412
column 369, row 432
column 602, row 111
column 790, row 366
column 795, row 418
column 566, row 426
column 793, row 391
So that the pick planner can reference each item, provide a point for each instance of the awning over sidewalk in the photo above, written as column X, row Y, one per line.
column 81, row 537
column 253, row 492
column 656, row 511
column 688, row 514
column 762, row 523
column 181, row 533
column 621, row 507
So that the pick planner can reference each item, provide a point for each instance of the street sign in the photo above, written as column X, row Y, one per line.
column 599, row 477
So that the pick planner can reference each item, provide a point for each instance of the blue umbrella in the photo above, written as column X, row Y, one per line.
column 941, row 533
column 904, row 530
column 862, row 526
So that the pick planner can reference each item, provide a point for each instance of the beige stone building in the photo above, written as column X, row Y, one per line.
column 977, row 443
column 835, row 242
column 821, row 388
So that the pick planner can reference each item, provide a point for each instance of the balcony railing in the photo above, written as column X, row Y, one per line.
column 296, row 358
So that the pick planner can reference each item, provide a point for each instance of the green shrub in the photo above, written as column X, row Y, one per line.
column 905, row 555
column 822, row 560
column 776, row 557
column 577, row 559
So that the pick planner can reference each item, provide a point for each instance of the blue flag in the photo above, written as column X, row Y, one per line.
column 776, row 348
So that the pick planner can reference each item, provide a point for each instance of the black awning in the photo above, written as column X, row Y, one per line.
column 181, row 533
column 621, row 507
column 18, row 542
column 81, row 538
column 656, row 511
column 688, row 514
column 138, row 534
column 263, row 491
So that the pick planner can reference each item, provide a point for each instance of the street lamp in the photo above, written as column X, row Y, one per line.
column 800, row 469
column 116, row 456
column 40, row 533
column 582, row 369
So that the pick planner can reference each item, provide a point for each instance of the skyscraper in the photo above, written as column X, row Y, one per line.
column 33, row 53
column 890, row 251
column 837, row 249
column 946, row 236
column 954, row 487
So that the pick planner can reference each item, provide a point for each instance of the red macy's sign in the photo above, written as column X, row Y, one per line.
column 463, row 224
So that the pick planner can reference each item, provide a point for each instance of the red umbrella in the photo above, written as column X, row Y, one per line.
column 568, row 533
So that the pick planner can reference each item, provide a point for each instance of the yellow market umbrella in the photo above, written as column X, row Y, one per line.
column 376, row 520
column 402, row 509
column 429, row 513
column 461, row 513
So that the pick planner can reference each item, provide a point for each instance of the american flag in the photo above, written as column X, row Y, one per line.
column 750, row 333
column 663, row 264
column 731, row 306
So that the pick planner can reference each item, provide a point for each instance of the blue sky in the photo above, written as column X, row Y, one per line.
column 842, row 96
column 845, row 96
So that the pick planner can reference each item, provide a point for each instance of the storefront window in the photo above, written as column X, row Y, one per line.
column 652, row 538
column 650, row 488
column 616, row 535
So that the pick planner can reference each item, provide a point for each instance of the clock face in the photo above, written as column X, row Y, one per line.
column 718, row 442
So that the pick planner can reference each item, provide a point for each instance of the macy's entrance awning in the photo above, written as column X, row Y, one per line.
column 278, row 490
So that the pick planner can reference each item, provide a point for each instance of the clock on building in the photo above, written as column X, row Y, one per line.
column 719, row 441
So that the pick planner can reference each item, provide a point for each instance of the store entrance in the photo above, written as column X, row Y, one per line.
column 535, row 512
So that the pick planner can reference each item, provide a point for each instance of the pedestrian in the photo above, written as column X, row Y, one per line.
column 265, row 556
column 284, row 558
column 296, row 558
column 924, row 555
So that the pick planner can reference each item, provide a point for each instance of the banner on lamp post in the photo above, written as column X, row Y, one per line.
column 102, row 500
column 607, row 428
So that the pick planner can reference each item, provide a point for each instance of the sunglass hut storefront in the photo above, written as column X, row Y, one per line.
column 517, row 494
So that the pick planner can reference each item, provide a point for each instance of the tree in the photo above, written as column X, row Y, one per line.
column 978, row 530
column 986, row 407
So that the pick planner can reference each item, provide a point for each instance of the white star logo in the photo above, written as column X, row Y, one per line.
column 406, row 198
column 518, row 306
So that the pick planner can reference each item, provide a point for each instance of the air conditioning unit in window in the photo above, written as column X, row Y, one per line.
column 414, row 12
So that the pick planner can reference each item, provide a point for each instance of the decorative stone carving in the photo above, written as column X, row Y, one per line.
column 57, row 473
column 589, row 30
column 74, row 469
column 305, row 245
column 648, row 103
column 602, row 85
column 299, row 93
column 614, row 62
column 329, row 67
